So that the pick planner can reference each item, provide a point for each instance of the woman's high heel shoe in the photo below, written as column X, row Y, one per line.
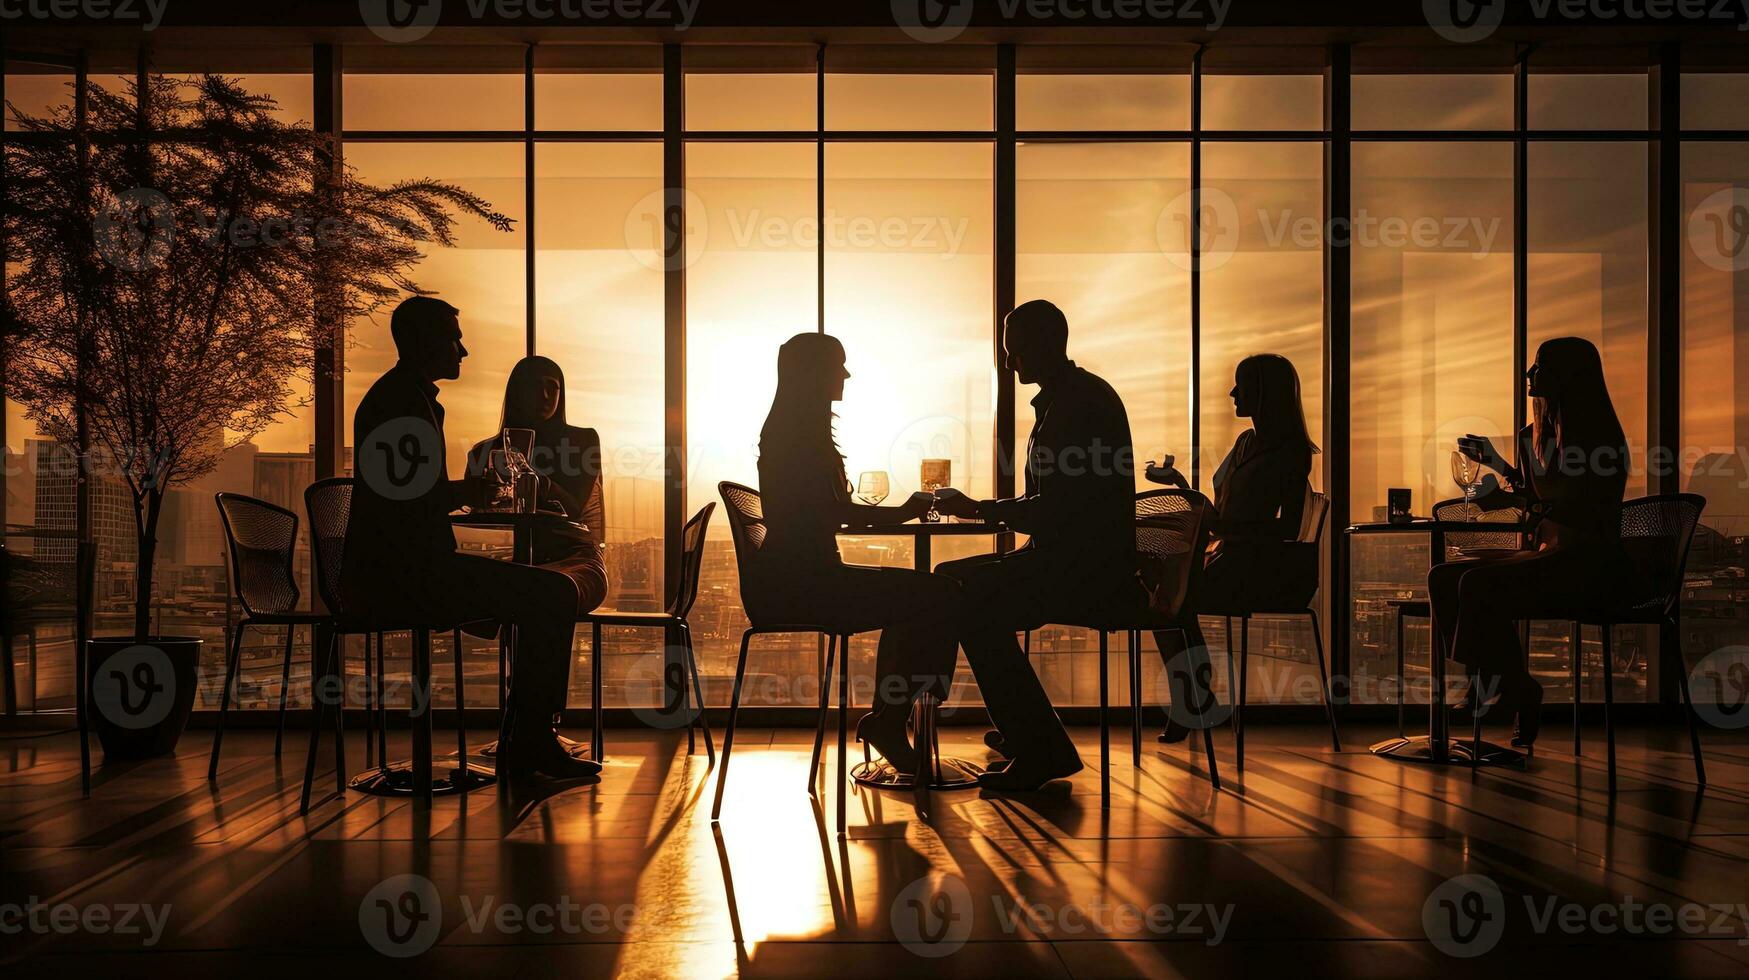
column 1528, row 722
column 888, row 738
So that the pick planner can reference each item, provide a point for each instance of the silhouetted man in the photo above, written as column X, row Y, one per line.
column 1079, row 511
column 400, row 559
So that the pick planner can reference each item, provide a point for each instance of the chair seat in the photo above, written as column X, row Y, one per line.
column 369, row 624
column 611, row 617
column 1289, row 610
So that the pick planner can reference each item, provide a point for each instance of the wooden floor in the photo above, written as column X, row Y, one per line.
column 1311, row 864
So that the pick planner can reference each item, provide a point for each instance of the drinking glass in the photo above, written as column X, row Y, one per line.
column 1466, row 472
column 872, row 487
column 937, row 474
column 500, row 482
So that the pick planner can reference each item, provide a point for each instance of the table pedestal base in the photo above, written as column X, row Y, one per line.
column 396, row 778
column 1458, row 752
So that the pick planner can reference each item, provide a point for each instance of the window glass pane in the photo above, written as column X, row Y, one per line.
column 434, row 102
column 1432, row 102
column 768, row 102
column 598, row 309
column 750, row 287
column 961, row 102
column 596, row 100
column 1262, row 102
column 1715, row 411
column 37, row 95
column 1587, row 278
column 1102, row 233
column 1431, row 358
column 1102, row 102
column 1588, row 101
column 1262, row 292
column 1715, row 101
column 483, row 276
column 908, row 286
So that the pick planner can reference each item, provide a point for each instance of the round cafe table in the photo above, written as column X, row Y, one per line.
column 946, row 772
column 1437, row 746
column 398, row 778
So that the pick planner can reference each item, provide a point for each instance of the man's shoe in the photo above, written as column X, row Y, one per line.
column 542, row 752
column 1023, row 774
column 888, row 738
column 1174, row 732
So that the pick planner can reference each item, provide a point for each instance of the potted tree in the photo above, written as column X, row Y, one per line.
column 173, row 264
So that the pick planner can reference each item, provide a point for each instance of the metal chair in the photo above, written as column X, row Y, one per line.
column 1456, row 545
column 691, row 565
column 1656, row 533
column 747, row 525
column 261, row 538
column 1309, row 541
column 329, row 503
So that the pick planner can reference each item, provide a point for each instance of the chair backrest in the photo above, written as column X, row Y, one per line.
column 1656, row 533
column 1459, row 509
column 329, row 504
column 1172, row 535
column 691, row 560
column 261, row 538
column 746, row 525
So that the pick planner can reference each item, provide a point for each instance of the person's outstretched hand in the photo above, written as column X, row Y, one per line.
column 1166, row 473
column 955, row 504
column 916, row 506
column 1481, row 449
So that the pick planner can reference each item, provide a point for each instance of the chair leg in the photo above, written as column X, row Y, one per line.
column 337, row 670
column 1324, row 682
column 318, row 710
column 1693, row 719
column 598, row 747
column 1609, row 701
column 820, row 719
column 371, row 702
column 1575, row 655
column 1133, row 650
column 697, row 692
column 284, row 689
column 6, row 669
column 461, row 724
column 1475, row 720
column 1104, row 723
column 235, row 653
column 422, row 718
column 506, row 678
column 1244, row 680
column 1402, row 677
column 382, row 704
column 844, row 782
column 729, row 733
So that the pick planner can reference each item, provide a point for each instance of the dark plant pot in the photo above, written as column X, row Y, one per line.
column 140, row 692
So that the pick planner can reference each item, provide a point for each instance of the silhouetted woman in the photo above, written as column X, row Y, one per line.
column 1261, row 490
column 800, row 578
column 1572, row 472
column 568, row 461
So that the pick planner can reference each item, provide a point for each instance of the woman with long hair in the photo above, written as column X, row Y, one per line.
column 567, row 463
column 1572, row 471
column 1261, row 490
column 797, row 573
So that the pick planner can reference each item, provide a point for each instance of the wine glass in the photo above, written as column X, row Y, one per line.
column 518, row 446
column 500, row 482
column 1466, row 472
column 872, row 487
column 936, row 474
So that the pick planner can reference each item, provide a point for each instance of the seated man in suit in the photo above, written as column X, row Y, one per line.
column 400, row 558
column 1079, row 511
